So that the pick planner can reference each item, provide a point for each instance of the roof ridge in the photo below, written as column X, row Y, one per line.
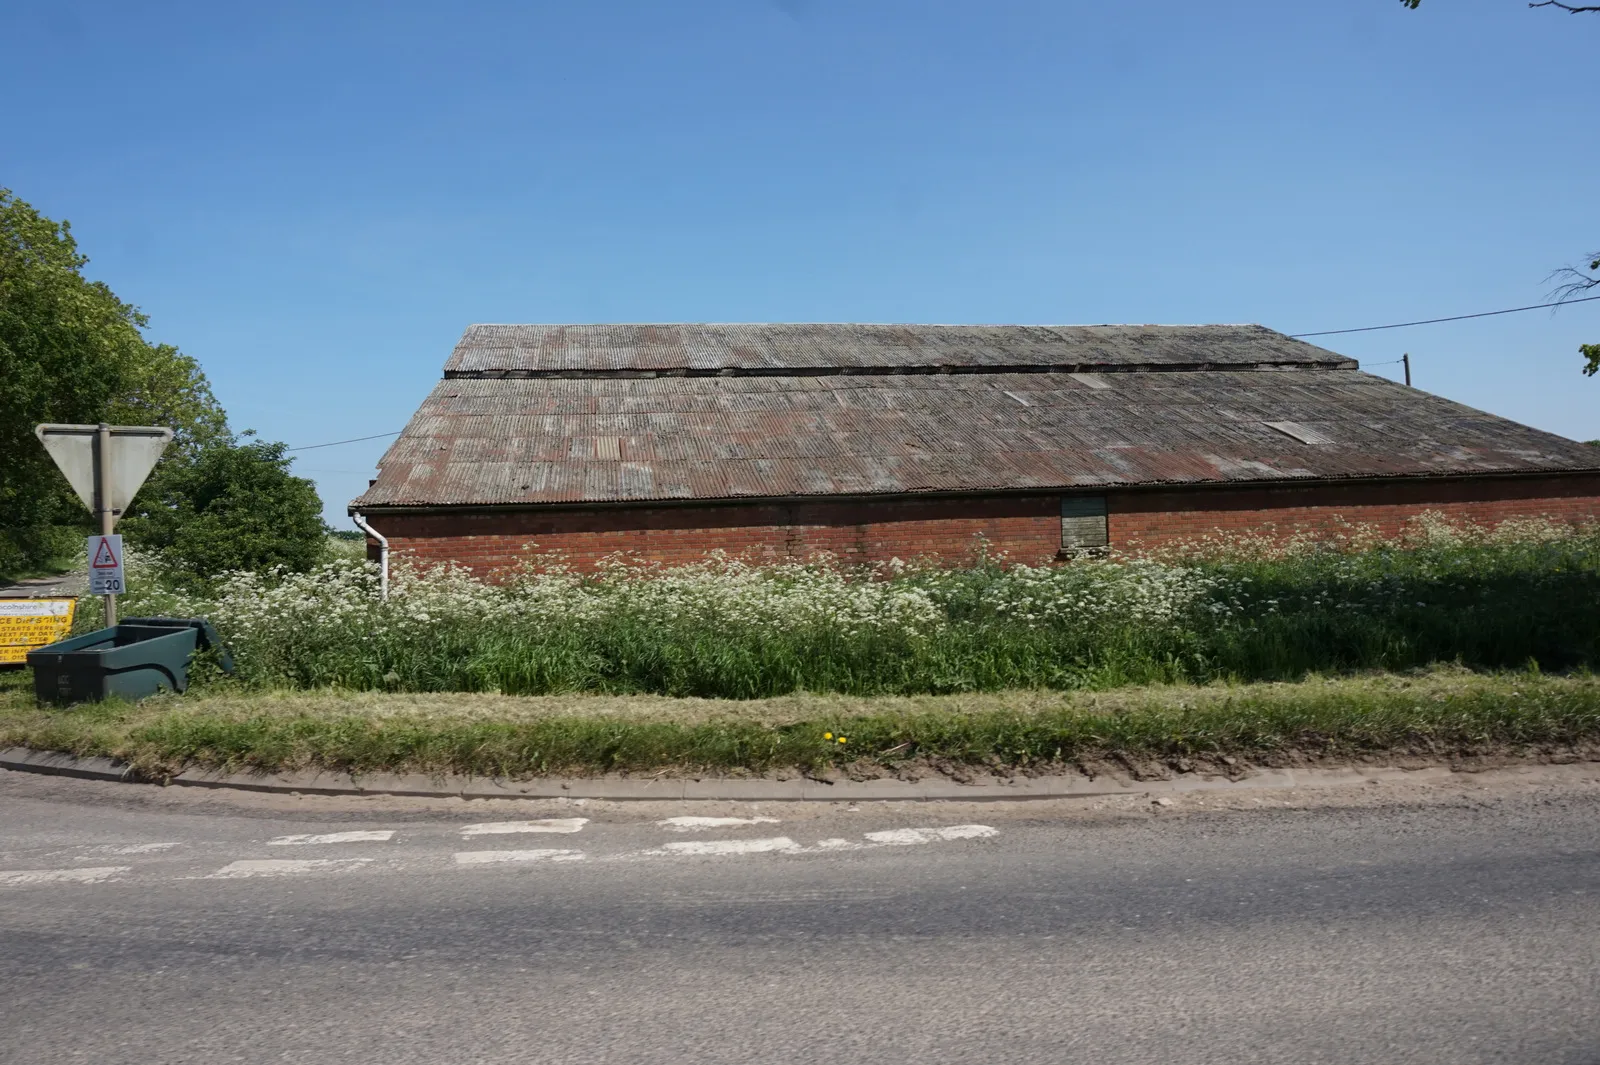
column 868, row 370
column 916, row 325
column 767, row 346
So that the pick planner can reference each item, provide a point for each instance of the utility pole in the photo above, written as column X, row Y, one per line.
column 1406, row 360
column 108, row 517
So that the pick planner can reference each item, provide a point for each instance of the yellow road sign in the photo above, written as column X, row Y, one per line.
column 26, row 624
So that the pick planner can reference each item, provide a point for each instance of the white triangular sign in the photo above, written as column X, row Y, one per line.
column 134, row 451
column 104, row 557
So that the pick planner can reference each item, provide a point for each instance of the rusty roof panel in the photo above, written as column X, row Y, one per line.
column 500, row 350
column 575, row 440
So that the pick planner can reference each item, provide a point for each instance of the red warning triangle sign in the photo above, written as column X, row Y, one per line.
column 104, row 557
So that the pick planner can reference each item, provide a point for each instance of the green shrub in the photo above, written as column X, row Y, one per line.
column 228, row 506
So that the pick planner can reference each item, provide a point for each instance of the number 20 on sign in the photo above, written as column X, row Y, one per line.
column 105, row 565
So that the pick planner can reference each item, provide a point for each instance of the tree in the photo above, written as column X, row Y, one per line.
column 228, row 505
column 1574, row 282
column 167, row 387
column 64, row 343
column 71, row 351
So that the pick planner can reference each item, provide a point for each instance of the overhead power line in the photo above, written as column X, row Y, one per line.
column 1453, row 318
column 336, row 443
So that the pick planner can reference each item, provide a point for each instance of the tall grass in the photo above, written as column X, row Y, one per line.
column 1528, row 593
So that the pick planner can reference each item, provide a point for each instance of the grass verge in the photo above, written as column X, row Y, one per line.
column 1440, row 714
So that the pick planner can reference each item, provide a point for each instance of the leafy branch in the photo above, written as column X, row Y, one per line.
column 1574, row 282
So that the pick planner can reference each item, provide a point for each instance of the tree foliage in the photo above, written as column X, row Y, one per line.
column 228, row 505
column 1575, row 281
column 71, row 351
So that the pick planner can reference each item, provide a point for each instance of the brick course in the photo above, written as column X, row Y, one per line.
column 865, row 531
column 1153, row 518
column 1026, row 528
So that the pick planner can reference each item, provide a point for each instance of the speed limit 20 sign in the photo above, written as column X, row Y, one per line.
column 105, row 565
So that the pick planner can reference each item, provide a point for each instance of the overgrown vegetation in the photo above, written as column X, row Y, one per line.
column 1445, row 644
column 1241, row 611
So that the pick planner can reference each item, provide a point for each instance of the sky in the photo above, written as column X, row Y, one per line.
column 315, row 200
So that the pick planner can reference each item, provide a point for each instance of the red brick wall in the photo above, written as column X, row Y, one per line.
column 1026, row 528
column 1154, row 518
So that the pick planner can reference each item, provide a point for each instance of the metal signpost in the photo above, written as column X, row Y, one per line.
column 105, row 464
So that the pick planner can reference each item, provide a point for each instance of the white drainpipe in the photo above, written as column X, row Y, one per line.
column 383, row 553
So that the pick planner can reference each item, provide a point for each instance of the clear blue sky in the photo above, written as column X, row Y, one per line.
column 315, row 199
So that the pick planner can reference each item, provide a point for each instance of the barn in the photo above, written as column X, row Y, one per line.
column 872, row 442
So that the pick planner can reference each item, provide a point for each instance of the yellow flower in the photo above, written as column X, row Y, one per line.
column 841, row 739
column 827, row 735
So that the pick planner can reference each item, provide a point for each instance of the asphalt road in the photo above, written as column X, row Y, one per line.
column 1452, row 925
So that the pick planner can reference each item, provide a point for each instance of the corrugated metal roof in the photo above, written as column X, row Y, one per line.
column 559, row 440
column 578, row 350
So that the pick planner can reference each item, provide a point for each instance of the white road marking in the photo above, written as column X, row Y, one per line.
column 286, row 867
column 141, row 848
column 24, row 877
column 695, row 824
column 906, row 836
column 492, row 857
column 729, row 846
column 502, row 828
column 380, row 836
column 838, row 845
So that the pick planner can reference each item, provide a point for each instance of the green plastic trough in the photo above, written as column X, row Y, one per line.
column 131, row 660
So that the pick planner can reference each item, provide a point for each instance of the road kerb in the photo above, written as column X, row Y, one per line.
column 800, row 789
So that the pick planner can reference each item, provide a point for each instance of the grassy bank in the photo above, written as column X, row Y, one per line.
column 1441, row 714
